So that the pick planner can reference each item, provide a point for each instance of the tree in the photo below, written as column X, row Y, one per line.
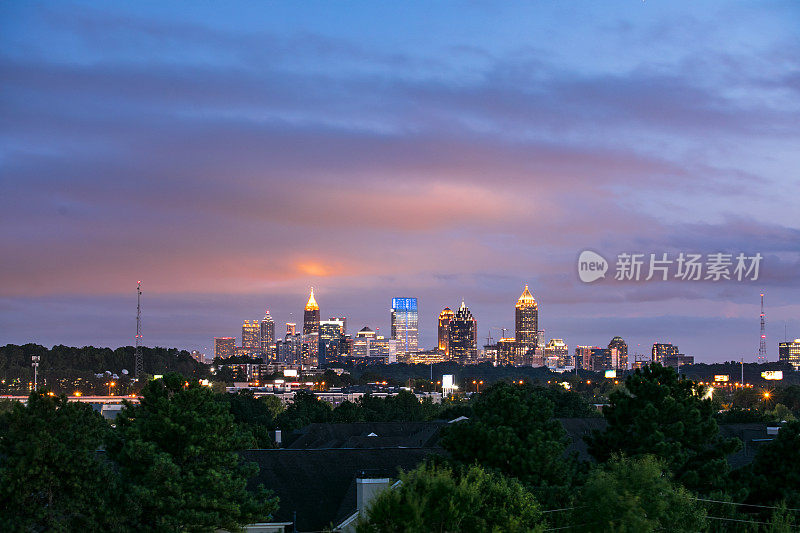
column 51, row 476
column 255, row 416
column 305, row 409
column 775, row 471
column 512, row 430
column 635, row 495
column 467, row 500
column 658, row 413
column 176, row 453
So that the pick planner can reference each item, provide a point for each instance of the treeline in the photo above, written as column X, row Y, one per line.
column 660, row 465
column 67, row 361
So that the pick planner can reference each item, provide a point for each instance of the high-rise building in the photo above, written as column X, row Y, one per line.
column 445, row 317
column 289, row 350
column 311, row 315
column 331, row 335
column 789, row 352
column 342, row 321
column 600, row 359
column 583, row 357
column 662, row 350
column 618, row 350
column 224, row 347
column 404, row 325
column 526, row 322
column 464, row 336
column 267, row 335
column 291, row 328
column 556, row 353
column 251, row 336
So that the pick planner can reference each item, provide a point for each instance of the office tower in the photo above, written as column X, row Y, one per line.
column 251, row 335
column 330, row 335
column 464, row 336
column 789, row 352
column 291, row 328
column 342, row 320
column 267, row 335
column 583, row 357
column 663, row 350
column 556, row 353
column 224, row 347
column 600, row 359
column 526, row 323
column 310, row 349
column 311, row 315
column 445, row 317
column 404, row 325
column 618, row 350
column 289, row 350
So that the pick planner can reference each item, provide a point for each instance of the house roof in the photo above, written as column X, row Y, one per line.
column 317, row 487
column 358, row 435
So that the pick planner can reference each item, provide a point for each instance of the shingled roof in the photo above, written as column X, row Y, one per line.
column 368, row 435
column 317, row 487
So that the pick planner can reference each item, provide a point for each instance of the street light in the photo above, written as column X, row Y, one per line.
column 111, row 384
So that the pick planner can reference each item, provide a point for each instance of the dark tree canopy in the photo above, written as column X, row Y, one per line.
column 51, row 476
column 775, row 471
column 636, row 495
column 176, row 453
column 433, row 498
column 657, row 413
column 513, row 431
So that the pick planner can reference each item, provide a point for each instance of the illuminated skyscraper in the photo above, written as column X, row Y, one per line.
column 444, row 330
column 464, row 336
column 311, row 315
column 267, row 334
column 789, row 352
column 251, row 337
column 618, row 350
column 224, row 347
column 526, row 323
column 404, row 325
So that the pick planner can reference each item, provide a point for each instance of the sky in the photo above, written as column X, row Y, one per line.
column 233, row 155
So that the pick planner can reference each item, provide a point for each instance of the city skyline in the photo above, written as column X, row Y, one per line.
column 232, row 159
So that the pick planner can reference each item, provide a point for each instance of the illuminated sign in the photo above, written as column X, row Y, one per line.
column 290, row 373
column 611, row 373
column 772, row 374
column 447, row 381
column 404, row 304
column 722, row 377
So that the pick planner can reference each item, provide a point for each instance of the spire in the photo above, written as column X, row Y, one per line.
column 312, row 303
column 526, row 299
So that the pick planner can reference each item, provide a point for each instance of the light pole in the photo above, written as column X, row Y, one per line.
column 35, row 364
column 110, row 386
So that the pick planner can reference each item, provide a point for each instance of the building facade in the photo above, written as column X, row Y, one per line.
column 618, row 351
column 789, row 352
column 311, row 315
column 556, row 353
column 464, row 336
column 526, row 321
column 445, row 317
column 662, row 350
column 251, row 337
column 224, row 347
column 267, row 335
column 405, row 331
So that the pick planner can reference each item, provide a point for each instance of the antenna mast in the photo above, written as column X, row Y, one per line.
column 139, row 370
column 762, row 345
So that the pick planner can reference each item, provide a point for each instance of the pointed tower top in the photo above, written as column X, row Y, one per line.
column 526, row 299
column 312, row 303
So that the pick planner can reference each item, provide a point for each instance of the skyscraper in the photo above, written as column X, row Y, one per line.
column 404, row 325
column 224, row 347
column 311, row 315
column 464, row 336
column 526, row 323
column 618, row 350
column 445, row 317
column 267, row 337
column 251, row 337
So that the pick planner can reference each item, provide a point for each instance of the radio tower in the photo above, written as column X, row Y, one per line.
column 139, row 370
column 762, row 345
